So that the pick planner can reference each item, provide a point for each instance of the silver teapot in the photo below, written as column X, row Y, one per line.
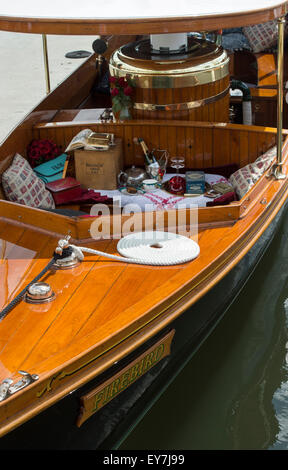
column 132, row 177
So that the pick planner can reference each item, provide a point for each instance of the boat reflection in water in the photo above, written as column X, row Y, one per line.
column 233, row 394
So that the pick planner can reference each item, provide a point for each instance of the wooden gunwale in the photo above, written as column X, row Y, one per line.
column 124, row 26
column 152, row 123
column 157, row 318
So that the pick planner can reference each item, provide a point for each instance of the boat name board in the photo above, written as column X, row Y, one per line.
column 104, row 393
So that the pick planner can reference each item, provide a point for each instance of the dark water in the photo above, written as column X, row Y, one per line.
column 233, row 394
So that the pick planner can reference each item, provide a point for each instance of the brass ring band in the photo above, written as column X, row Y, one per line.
column 203, row 74
column 181, row 106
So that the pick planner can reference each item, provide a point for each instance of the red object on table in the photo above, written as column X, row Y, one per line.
column 89, row 196
column 177, row 184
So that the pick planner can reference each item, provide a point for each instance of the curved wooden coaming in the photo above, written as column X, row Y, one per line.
column 92, row 323
column 108, row 24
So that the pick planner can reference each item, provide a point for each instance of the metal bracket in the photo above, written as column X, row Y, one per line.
column 70, row 261
column 8, row 388
column 63, row 243
column 276, row 171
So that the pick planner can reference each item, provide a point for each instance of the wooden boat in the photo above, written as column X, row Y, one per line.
column 91, row 361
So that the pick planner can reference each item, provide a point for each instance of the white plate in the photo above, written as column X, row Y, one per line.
column 125, row 192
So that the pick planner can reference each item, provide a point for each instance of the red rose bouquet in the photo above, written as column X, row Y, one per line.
column 40, row 151
column 121, row 93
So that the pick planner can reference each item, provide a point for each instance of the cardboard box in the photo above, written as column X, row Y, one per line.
column 99, row 168
column 195, row 182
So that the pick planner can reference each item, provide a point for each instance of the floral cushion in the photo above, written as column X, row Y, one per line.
column 22, row 185
column 262, row 36
column 243, row 180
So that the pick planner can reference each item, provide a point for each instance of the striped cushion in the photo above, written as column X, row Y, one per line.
column 243, row 180
column 262, row 36
column 22, row 185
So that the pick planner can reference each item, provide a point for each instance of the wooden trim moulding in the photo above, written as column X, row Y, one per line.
column 84, row 26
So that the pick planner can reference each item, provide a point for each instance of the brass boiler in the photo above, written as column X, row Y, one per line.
column 189, row 84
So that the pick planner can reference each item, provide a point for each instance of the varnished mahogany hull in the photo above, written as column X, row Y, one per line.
column 106, row 428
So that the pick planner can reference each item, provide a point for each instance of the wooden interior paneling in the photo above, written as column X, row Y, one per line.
column 202, row 144
column 217, row 111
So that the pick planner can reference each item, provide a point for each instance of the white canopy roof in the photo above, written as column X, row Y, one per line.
column 34, row 14
column 116, row 9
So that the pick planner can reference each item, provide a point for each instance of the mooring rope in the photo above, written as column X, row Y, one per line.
column 149, row 248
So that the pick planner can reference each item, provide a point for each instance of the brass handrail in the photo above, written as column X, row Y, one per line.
column 276, row 169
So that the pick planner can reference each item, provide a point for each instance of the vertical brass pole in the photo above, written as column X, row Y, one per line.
column 280, row 64
column 46, row 63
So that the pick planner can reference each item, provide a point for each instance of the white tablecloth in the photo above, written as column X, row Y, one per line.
column 160, row 199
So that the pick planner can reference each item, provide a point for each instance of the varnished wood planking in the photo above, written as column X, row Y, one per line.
column 180, row 143
column 65, row 284
column 43, row 220
column 109, row 308
column 221, row 149
column 13, row 323
column 190, row 147
column 199, row 148
column 58, row 330
column 163, row 138
column 234, row 148
column 243, row 148
column 217, row 111
column 38, row 259
column 77, row 305
column 202, row 144
column 97, row 307
column 253, row 147
column 18, row 258
column 9, row 233
column 100, row 301
column 6, row 251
